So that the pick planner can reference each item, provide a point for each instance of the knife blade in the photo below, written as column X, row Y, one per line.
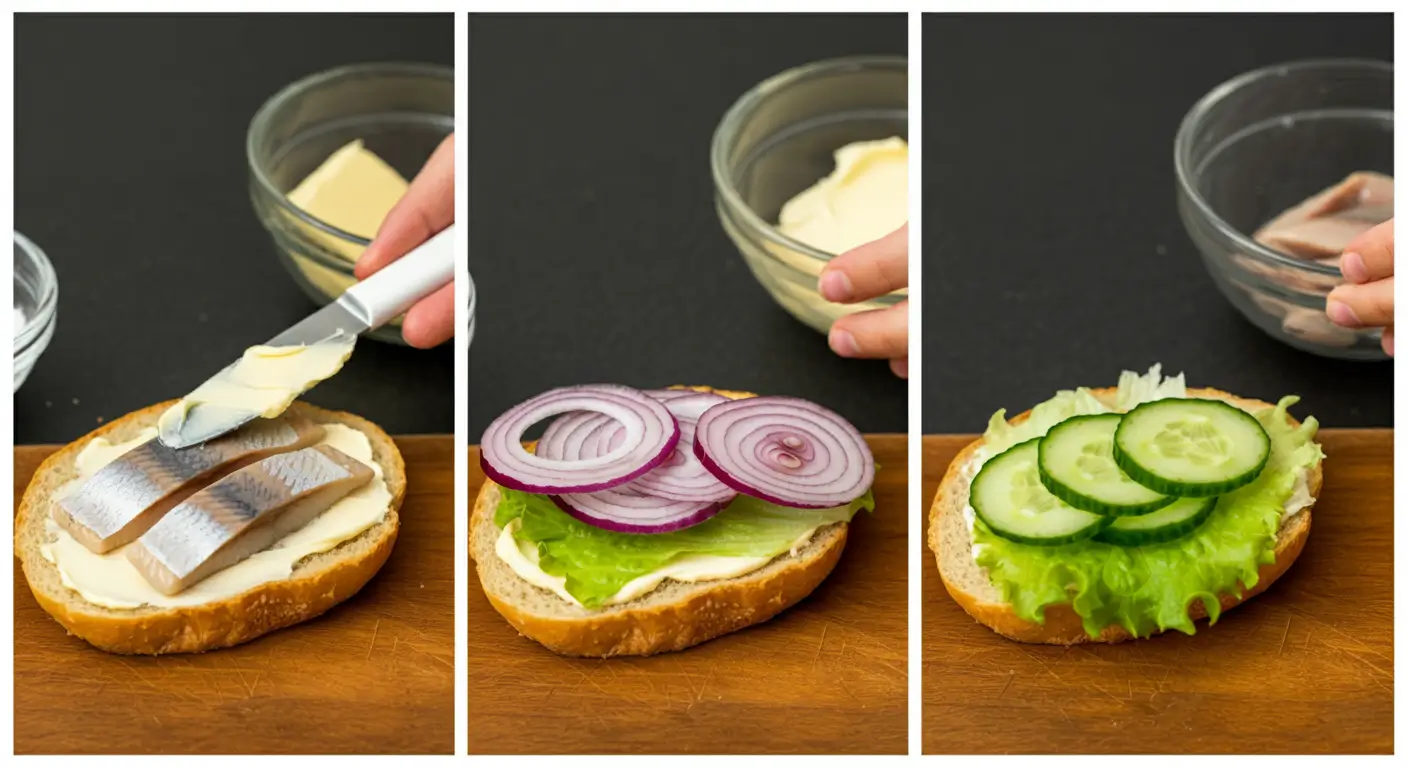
column 364, row 307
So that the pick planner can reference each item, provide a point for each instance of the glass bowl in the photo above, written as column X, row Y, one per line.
column 401, row 112
column 1259, row 144
column 777, row 140
column 469, row 330
column 37, row 299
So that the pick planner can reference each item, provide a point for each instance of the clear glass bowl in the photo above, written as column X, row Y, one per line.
column 469, row 331
column 37, row 297
column 1261, row 143
column 777, row 140
column 400, row 111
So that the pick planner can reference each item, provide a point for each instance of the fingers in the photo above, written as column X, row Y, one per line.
column 427, row 207
column 900, row 367
column 882, row 333
column 431, row 322
column 1369, row 257
column 871, row 270
column 1388, row 341
column 1362, row 306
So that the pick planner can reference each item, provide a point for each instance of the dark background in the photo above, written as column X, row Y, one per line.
column 594, row 243
column 130, row 173
column 1055, row 256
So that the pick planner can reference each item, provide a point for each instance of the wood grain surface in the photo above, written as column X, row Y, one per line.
column 828, row 675
column 373, row 675
column 1306, row 667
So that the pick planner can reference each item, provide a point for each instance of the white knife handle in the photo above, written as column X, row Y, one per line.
column 400, row 284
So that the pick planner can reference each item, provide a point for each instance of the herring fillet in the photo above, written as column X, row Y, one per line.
column 1321, row 227
column 244, row 513
column 124, row 498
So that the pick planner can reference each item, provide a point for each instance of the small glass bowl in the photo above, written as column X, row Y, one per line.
column 37, row 297
column 777, row 140
column 469, row 331
column 1261, row 143
column 401, row 112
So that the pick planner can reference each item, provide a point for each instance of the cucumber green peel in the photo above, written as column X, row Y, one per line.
column 1148, row 588
column 1077, row 465
column 1190, row 447
column 1008, row 496
column 1172, row 522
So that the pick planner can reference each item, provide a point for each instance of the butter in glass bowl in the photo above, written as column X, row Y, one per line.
column 808, row 164
column 330, row 155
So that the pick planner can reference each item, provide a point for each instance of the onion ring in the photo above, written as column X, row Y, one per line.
column 626, row 511
column 650, row 436
column 785, row 450
column 683, row 477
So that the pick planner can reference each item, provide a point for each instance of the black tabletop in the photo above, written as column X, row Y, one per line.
column 593, row 237
column 130, row 173
column 1054, row 253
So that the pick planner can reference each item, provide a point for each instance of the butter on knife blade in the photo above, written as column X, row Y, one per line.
column 311, row 350
column 261, row 384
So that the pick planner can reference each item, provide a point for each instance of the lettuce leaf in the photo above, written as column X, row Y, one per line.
column 1147, row 589
column 1133, row 390
column 597, row 563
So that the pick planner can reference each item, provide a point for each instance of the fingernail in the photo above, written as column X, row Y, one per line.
column 843, row 343
column 1353, row 268
column 1341, row 314
column 901, row 367
column 835, row 286
column 1388, row 344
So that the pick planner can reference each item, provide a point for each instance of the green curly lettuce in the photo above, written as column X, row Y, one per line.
column 1149, row 588
column 597, row 563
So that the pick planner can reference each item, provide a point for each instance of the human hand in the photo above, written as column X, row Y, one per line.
column 427, row 207
column 866, row 272
column 1367, row 300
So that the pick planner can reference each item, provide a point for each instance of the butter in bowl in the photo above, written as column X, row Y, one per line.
column 330, row 155
column 809, row 164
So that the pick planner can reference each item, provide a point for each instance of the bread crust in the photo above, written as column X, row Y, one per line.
column 318, row 582
column 1063, row 625
column 638, row 629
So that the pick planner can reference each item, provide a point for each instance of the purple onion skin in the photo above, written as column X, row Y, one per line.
column 728, row 480
column 615, row 526
column 509, row 482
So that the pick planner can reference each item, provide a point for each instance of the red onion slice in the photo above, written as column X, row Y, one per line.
column 564, row 438
column 626, row 511
column 650, row 434
column 785, row 450
column 561, row 437
column 682, row 477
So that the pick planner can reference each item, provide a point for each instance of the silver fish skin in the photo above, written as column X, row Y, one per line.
column 242, row 514
column 123, row 499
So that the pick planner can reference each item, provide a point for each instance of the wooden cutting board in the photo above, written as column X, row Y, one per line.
column 1306, row 667
column 828, row 675
column 373, row 675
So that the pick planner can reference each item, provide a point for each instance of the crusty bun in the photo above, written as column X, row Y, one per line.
column 318, row 582
column 969, row 585
column 674, row 616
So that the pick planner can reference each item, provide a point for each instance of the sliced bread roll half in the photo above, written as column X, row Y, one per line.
column 318, row 582
column 673, row 616
column 969, row 585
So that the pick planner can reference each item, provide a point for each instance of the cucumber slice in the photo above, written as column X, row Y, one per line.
column 1190, row 447
column 1008, row 496
column 1077, row 465
column 1176, row 520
